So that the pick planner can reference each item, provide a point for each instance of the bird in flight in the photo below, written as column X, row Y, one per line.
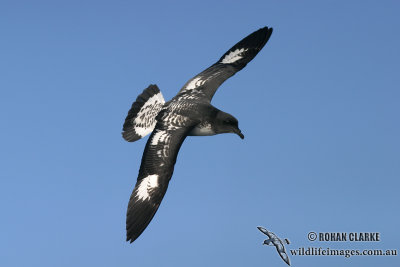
column 189, row 113
column 273, row 240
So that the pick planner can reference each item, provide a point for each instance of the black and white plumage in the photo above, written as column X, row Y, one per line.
column 189, row 113
column 141, row 118
column 274, row 240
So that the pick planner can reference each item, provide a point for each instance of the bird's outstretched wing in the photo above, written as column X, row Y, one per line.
column 265, row 231
column 156, row 169
column 231, row 62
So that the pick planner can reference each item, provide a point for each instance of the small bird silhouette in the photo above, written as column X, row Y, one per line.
column 277, row 242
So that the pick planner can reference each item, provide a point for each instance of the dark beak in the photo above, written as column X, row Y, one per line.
column 238, row 132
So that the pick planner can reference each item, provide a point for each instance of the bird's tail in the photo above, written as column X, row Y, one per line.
column 141, row 118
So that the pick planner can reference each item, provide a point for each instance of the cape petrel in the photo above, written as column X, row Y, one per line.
column 277, row 242
column 189, row 113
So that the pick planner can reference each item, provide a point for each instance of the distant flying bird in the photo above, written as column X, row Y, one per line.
column 189, row 113
column 277, row 242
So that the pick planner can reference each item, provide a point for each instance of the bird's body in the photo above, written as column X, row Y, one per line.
column 273, row 240
column 189, row 113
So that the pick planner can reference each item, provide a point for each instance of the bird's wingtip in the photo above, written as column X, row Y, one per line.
column 130, row 240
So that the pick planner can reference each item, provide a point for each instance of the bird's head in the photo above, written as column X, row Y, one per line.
column 226, row 123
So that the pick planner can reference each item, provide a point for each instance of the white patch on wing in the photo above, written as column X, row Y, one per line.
column 163, row 138
column 145, row 120
column 158, row 137
column 197, row 82
column 145, row 185
column 233, row 56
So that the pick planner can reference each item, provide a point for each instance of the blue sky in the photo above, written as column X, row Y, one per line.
column 319, row 107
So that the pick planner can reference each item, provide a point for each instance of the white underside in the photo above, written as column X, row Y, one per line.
column 204, row 131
